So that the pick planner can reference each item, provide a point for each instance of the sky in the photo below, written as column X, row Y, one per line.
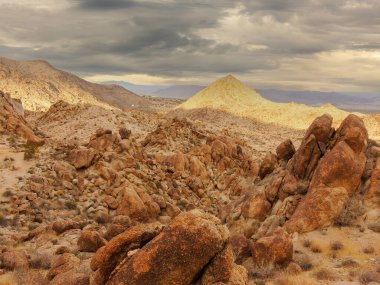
column 321, row 45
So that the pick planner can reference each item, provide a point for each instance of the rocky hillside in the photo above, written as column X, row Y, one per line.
column 230, row 95
column 178, row 204
column 39, row 85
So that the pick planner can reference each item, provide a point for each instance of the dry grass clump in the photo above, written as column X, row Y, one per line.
column 7, row 279
column 295, row 280
column 369, row 249
column 40, row 261
column 349, row 262
column 336, row 245
column 324, row 274
column 305, row 263
column 307, row 243
column 316, row 247
column 30, row 277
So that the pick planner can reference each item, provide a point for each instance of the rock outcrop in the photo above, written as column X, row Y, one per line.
column 12, row 120
column 193, row 243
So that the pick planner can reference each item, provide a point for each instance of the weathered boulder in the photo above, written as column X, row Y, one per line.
column 103, row 140
column 276, row 248
column 130, row 204
column 71, row 278
column 256, row 206
column 14, row 259
column 64, row 225
column 285, row 150
column 116, row 250
column 90, row 241
column 62, row 264
column 267, row 165
column 177, row 255
column 312, row 147
column 319, row 208
column 353, row 131
column 81, row 157
column 223, row 270
column 341, row 167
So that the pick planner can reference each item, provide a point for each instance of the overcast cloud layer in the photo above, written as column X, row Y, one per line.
column 324, row 45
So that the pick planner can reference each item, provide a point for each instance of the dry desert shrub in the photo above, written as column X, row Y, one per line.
column 30, row 150
column 325, row 275
column 305, row 263
column 369, row 249
column 40, row 261
column 316, row 247
column 336, row 245
column 307, row 243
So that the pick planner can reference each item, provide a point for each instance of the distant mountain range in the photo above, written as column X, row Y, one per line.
column 349, row 101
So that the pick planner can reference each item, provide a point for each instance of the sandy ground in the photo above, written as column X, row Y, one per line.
column 12, row 166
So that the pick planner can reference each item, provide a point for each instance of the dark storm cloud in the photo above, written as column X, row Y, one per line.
column 105, row 4
column 184, row 38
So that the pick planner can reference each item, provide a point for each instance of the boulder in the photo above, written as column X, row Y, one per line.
column 285, row 150
column 256, row 206
column 14, row 259
column 341, row 167
column 276, row 248
column 312, row 147
column 319, row 208
column 130, row 204
column 177, row 255
column 267, row 165
column 62, row 264
column 116, row 250
column 223, row 270
column 71, row 278
column 82, row 157
column 90, row 241
column 62, row 226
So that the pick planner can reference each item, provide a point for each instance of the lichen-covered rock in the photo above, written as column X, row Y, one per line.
column 114, row 252
column 177, row 255
column 319, row 208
